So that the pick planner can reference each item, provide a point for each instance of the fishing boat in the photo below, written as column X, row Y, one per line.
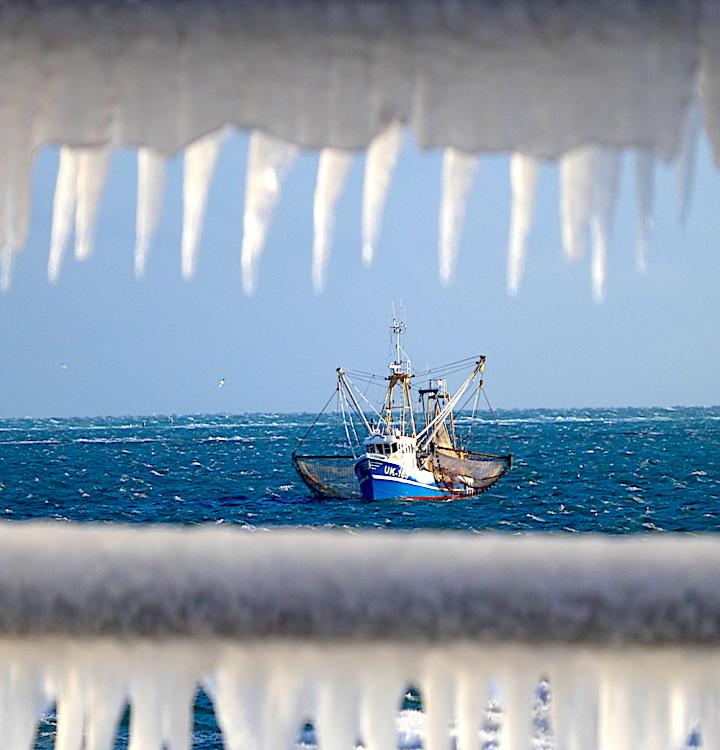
column 396, row 452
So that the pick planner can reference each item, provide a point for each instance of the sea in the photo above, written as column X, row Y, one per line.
column 609, row 471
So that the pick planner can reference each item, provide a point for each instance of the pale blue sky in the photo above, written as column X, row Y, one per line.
column 160, row 345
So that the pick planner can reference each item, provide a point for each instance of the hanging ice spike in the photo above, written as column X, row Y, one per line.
column 333, row 168
column 198, row 167
column 380, row 162
column 269, row 159
column 523, row 181
column 589, row 184
column 458, row 172
column 151, row 183
column 605, row 699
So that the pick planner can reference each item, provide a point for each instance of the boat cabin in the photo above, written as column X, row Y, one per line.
column 389, row 445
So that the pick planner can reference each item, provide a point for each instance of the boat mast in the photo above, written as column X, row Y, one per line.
column 427, row 434
column 400, row 375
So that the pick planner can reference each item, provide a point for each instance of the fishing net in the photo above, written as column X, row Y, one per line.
column 468, row 473
column 328, row 476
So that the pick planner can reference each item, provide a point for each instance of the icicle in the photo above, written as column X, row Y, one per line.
column 92, row 171
column 239, row 699
column 458, row 171
column 686, row 160
column 7, row 259
column 284, row 710
column 105, row 701
column 70, row 712
column 710, row 714
column 616, row 719
column 337, row 713
column 145, row 718
column 645, row 198
column 21, row 702
column 654, row 730
column 471, row 699
column 438, row 701
column 332, row 171
column 516, row 702
column 679, row 714
column 382, row 155
column 151, row 182
column 576, row 178
column 607, row 170
column 523, row 178
column 63, row 209
column 198, row 167
column 176, row 712
column 574, row 708
column 380, row 692
column 14, row 208
column 269, row 160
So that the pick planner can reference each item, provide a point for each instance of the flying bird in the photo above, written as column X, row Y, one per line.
column 64, row 366
column 221, row 383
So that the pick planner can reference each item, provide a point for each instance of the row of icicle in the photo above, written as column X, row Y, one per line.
column 589, row 183
column 263, row 709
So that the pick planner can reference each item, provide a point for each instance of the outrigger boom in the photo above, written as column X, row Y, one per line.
column 394, row 459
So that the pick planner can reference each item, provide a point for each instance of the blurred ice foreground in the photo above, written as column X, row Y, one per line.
column 284, row 626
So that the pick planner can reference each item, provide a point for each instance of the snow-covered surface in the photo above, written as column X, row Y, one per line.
column 333, row 585
column 577, row 81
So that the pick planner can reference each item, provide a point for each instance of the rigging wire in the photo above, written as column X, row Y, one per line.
column 492, row 411
column 309, row 429
column 352, row 385
column 345, row 421
column 474, row 412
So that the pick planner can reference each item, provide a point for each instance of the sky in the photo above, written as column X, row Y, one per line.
column 160, row 345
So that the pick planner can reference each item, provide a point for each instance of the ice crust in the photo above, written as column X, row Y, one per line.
column 207, row 582
column 540, row 80
column 285, row 626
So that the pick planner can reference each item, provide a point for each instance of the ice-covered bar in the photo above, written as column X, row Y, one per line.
column 584, row 83
column 285, row 626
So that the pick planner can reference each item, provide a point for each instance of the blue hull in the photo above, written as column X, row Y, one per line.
column 380, row 480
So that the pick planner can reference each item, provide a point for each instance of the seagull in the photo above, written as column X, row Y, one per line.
column 64, row 366
column 221, row 383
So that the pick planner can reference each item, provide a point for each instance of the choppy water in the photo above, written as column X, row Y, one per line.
column 610, row 470
column 619, row 471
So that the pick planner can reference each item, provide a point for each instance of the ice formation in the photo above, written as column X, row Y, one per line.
column 268, row 161
column 550, row 81
column 382, row 156
column 333, row 168
column 151, row 183
column 458, row 171
column 198, row 167
column 288, row 625
column 523, row 180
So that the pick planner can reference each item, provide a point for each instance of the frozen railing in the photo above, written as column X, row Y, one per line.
column 284, row 626
column 581, row 82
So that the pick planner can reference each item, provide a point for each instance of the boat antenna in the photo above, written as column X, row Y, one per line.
column 398, row 326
